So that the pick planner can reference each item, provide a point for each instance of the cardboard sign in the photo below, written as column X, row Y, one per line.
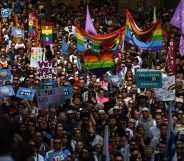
column 6, row 91
column 26, row 93
column 115, row 80
column 17, row 32
column 167, row 92
column 5, row 12
column 68, row 92
column 36, row 55
column 48, row 97
column 47, row 69
column 148, row 78
column 47, row 84
column 5, row 74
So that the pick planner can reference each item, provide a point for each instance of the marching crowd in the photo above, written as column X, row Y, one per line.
column 74, row 131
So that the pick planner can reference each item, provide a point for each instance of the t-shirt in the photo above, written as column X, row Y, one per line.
column 57, row 155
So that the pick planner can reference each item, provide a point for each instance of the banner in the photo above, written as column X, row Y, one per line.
column 47, row 33
column 146, row 78
column 170, row 61
column 48, row 97
column 115, row 79
column 5, row 74
column 68, row 92
column 6, row 91
column 167, row 92
column 26, row 93
column 98, row 63
column 97, row 42
column 149, row 39
column 5, row 12
column 47, row 84
column 47, row 69
column 36, row 55
column 17, row 32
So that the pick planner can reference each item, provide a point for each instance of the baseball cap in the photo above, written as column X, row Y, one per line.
column 145, row 109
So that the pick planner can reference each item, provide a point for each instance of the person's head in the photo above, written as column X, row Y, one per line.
column 98, row 148
column 112, row 121
column 52, row 112
column 79, row 145
column 101, row 114
column 159, row 120
column 179, row 147
column 163, row 130
column 145, row 113
column 93, row 78
column 137, row 114
column 38, row 136
column 129, row 81
column 59, row 130
column 131, row 124
column 118, row 157
column 57, row 143
column 64, row 139
column 149, row 151
column 162, row 146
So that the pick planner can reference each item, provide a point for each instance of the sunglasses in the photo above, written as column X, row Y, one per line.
column 144, row 111
column 57, row 142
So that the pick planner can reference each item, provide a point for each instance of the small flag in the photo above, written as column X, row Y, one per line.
column 89, row 27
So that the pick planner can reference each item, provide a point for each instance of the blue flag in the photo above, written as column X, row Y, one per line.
column 5, row 74
column 5, row 12
column 6, row 91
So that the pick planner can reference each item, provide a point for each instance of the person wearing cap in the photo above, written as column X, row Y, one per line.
column 101, row 120
column 146, row 120
column 70, row 124
column 179, row 104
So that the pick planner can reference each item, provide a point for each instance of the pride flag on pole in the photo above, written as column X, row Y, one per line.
column 150, row 39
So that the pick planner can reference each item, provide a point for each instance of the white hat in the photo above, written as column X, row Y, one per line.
column 179, row 100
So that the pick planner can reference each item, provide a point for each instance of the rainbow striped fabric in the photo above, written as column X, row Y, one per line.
column 32, row 31
column 97, row 42
column 149, row 39
column 47, row 33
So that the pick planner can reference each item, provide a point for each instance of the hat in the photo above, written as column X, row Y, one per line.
column 101, row 111
column 70, row 112
column 116, row 107
column 145, row 109
column 179, row 100
column 132, row 49
column 181, row 132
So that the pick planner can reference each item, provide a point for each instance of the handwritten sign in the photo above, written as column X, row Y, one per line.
column 68, row 92
column 5, row 74
column 6, row 91
column 47, row 69
column 5, row 12
column 48, row 97
column 36, row 55
column 167, row 92
column 26, row 93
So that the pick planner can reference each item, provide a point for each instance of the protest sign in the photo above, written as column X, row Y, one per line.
column 5, row 74
column 148, row 78
column 47, row 84
column 115, row 80
column 6, row 91
column 17, row 32
column 36, row 55
column 26, row 93
column 167, row 92
column 48, row 97
column 5, row 12
column 68, row 92
column 47, row 69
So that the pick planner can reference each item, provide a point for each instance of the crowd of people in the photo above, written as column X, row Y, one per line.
column 74, row 131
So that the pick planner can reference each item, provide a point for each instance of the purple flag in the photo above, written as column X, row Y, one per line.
column 178, row 21
column 89, row 27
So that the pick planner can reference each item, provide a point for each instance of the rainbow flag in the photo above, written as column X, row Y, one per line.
column 46, row 33
column 149, row 39
column 97, row 42
column 32, row 32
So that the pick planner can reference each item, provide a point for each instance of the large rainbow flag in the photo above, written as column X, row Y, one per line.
column 97, row 42
column 149, row 39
